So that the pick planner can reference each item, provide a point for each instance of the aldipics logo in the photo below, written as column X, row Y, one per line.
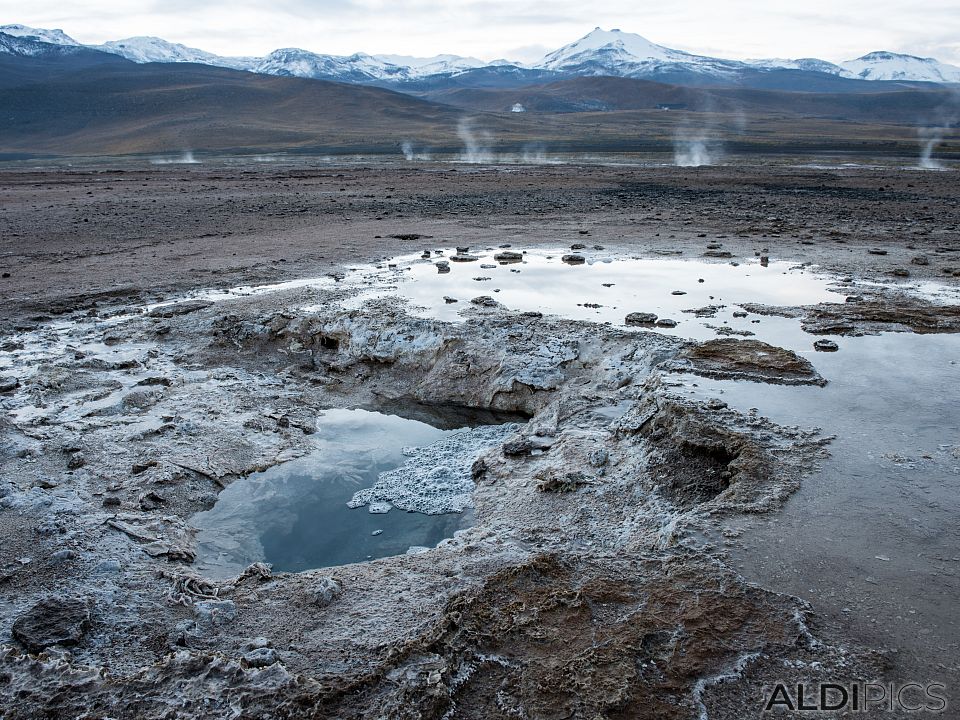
column 855, row 697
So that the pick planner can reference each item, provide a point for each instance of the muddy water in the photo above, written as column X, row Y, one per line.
column 872, row 540
column 295, row 516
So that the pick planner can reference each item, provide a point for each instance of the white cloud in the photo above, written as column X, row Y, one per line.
column 830, row 29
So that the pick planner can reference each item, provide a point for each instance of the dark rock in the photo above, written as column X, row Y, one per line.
column 666, row 323
column 718, row 254
column 8, row 384
column 574, row 259
column 141, row 467
column 920, row 260
column 513, row 448
column 180, row 308
column 900, row 272
column 485, row 301
column 52, row 621
column 460, row 257
column 753, row 360
column 823, row 345
column 556, row 482
column 449, row 300
column 679, row 292
column 877, row 251
column 578, row 246
column 152, row 500
column 151, row 381
column 478, row 469
column 76, row 461
column 640, row 318
column 508, row 256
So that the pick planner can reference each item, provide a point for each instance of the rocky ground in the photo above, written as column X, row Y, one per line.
column 585, row 588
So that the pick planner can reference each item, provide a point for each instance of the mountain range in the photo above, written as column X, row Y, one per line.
column 599, row 53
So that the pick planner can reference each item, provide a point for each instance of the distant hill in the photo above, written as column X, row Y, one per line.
column 609, row 94
column 118, row 108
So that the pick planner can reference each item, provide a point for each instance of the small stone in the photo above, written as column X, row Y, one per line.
column 151, row 500
column 8, row 384
column 61, row 556
column 325, row 591
column 739, row 314
column 261, row 657
column 464, row 258
column 640, row 318
column 108, row 566
column 666, row 323
column 678, row 292
column 52, row 621
column 574, row 259
column 900, row 272
column 215, row 612
column 578, row 246
column 825, row 346
column 508, row 256
column 920, row 260
column 718, row 254
column 485, row 301
column 76, row 461
column 377, row 532
column 877, row 251
column 449, row 300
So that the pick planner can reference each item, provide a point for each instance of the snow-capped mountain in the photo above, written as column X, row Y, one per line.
column 884, row 65
column 154, row 49
column 352, row 68
column 807, row 64
column 438, row 64
column 600, row 52
column 614, row 52
column 54, row 37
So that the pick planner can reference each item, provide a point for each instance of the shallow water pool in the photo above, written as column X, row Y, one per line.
column 306, row 513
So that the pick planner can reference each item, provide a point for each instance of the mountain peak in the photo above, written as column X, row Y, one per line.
column 886, row 65
column 54, row 37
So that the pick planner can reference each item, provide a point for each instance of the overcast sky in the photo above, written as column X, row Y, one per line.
column 515, row 29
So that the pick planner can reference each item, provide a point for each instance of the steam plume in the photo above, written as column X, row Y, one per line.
column 476, row 143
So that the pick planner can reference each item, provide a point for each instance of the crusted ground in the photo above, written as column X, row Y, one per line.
column 584, row 588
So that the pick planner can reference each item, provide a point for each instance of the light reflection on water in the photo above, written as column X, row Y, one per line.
column 295, row 516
